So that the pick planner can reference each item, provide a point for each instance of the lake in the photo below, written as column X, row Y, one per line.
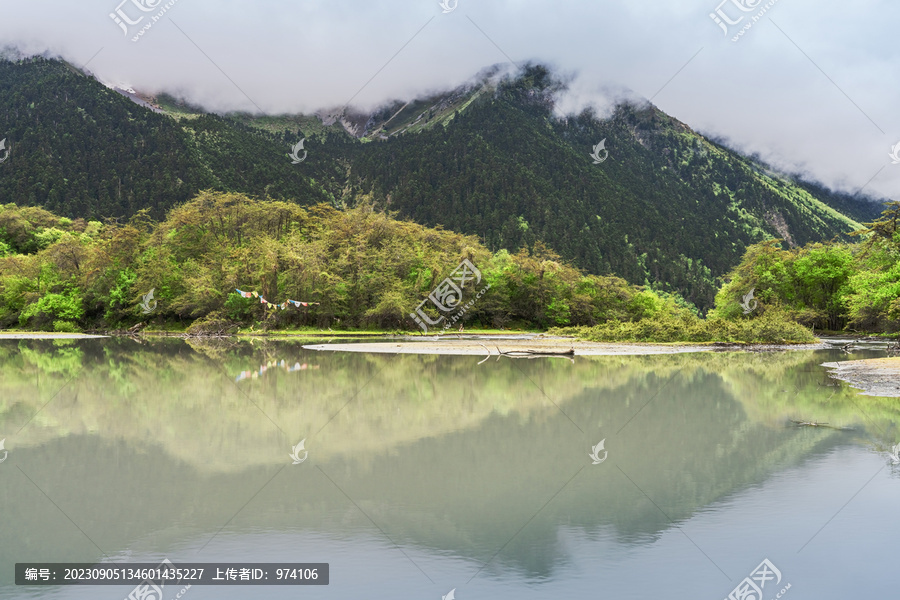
column 427, row 474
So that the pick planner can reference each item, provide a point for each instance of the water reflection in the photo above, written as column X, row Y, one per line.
column 272, row 364
column 155, row 446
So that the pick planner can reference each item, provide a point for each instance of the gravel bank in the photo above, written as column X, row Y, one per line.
column 491, row 345
column 874, row 376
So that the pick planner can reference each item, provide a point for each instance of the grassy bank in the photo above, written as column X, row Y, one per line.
column 771, row 328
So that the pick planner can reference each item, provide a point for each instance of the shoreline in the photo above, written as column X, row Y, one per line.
column 48, row 335
column 473, row 344
column 546, row 347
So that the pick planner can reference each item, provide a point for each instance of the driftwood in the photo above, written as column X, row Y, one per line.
column 486, row 350
column 570, row 353
column 131, row 332
column 530, row 353
column 817, row 424
column 828, row 383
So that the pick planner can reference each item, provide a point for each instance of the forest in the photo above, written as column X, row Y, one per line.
column 670, row 209
column 364, row 268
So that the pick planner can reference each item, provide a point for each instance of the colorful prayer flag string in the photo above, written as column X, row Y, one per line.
column 268, row 304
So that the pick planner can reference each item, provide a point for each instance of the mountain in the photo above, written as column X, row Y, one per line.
column 666, row 206
column 80, row 149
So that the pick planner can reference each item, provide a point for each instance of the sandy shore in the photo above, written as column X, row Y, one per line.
column 874, row 376
column 490, row 345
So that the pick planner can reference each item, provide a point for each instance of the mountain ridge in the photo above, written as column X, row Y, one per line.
column 668, row 208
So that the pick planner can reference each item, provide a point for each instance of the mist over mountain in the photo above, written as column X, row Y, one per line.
column 657, row 203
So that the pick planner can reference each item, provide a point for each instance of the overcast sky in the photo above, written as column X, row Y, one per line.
column 813, row 86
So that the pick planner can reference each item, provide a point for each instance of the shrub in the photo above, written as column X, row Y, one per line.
column 774, row 327
column 66, row 306
column 65, row 327
column 238, row 308
column 214, row 323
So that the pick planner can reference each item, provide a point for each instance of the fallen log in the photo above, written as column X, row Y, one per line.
column 525, row 353
column 817, row 424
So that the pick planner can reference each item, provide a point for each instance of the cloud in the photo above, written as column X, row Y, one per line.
column 810, row 87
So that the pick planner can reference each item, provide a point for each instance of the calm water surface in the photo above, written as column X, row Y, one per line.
column 429, row 473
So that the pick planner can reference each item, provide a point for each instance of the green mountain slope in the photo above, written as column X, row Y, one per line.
column 82, row 150
column 667, row 207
